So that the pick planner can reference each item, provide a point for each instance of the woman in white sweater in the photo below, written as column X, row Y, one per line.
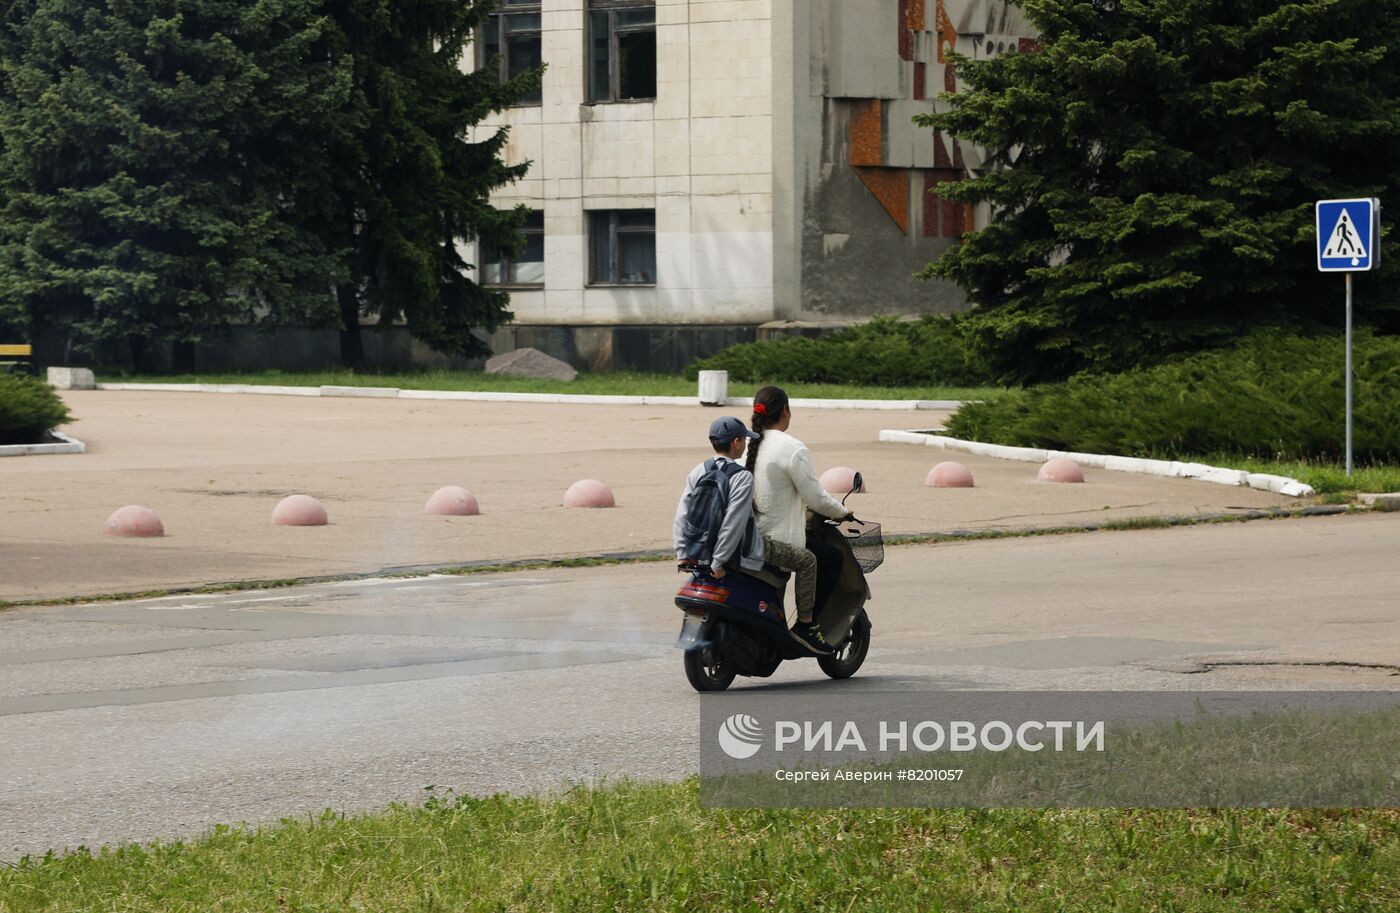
column 785, row 488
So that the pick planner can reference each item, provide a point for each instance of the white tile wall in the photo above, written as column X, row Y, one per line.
column 700, row 155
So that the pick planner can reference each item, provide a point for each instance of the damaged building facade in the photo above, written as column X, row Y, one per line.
column 705, row 172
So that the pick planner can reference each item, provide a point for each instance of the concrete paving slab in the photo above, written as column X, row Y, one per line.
column 213, row 467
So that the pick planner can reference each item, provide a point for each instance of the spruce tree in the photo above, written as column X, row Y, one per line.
column 413, row 185
column 1152, row 171
column 163, row 167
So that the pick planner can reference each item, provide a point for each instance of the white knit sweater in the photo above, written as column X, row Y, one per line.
column 785, row 486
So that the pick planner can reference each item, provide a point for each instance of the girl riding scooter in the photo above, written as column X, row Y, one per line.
column 785, row 488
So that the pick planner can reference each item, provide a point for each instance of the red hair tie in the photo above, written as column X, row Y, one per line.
column 760, row 409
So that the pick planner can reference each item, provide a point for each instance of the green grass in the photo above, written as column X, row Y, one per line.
column 1325, row 477
column 652, row 847
column 622, row 383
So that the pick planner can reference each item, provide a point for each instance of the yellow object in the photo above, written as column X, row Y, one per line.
column 24, row 351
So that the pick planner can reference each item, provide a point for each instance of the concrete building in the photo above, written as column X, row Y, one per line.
column 706, row 171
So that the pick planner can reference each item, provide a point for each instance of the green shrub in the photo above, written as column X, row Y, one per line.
column 884, row 352
column 28, row 409
column 1272, row 396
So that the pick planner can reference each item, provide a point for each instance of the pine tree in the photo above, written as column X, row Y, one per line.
column 1152, row 172
column 414, row 184
column 163, row 167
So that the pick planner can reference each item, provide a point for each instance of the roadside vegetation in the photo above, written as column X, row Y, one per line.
column 621, row 383
column 883, row 352
column 29, row 409
column 1272, row 403
column 653, row 847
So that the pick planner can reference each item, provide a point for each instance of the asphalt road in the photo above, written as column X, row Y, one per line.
column 129, row 721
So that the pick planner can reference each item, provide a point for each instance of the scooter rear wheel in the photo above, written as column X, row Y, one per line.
column 706, row 669
column 851, row 656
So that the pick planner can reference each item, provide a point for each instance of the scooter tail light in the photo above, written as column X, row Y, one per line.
column 705, row 592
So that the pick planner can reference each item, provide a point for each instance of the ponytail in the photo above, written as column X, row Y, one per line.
column 768, row 406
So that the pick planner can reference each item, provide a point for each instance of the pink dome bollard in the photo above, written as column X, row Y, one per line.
column 949, row 475
column 589, row 493
column 134, row 521
column 452, row 501
column 1061, row 469
column 840, row 480
column 299, row 510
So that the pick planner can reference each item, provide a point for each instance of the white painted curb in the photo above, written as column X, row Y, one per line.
column 69, row 445
column 887, row 405
column 1167, row 468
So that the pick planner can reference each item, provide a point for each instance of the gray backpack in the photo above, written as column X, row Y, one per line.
column 704, row 513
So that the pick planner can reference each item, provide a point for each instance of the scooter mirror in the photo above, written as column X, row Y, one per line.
column 857, row 483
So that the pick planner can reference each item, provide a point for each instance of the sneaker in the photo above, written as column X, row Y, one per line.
column 810, row 636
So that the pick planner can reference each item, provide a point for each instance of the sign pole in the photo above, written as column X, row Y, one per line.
column 1349, row 241
column 1349, row 376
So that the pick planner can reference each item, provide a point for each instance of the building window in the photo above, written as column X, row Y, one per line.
column 525, row 268
column 621, row 50
column 623, row 245
column 511, row 38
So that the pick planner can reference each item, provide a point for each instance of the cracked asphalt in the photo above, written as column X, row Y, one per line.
column 159, row 718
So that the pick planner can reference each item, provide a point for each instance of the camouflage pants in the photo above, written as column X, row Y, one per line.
column 803, row 565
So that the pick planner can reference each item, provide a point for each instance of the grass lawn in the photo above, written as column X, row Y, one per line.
column 1326, row 478
column 633, row 847
column 621, row 383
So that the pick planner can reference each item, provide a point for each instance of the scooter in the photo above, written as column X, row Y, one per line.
column 737, row 625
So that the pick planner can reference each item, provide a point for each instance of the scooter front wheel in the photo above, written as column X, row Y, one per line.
column 851, row 656
column 706, row 669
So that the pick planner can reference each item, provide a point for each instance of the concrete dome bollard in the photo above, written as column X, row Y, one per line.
column 840, row 480
column 949, row 475
column 299, row 510
column 452, row 501
column 134, row 521
column 1061, row 469
column 589, row 493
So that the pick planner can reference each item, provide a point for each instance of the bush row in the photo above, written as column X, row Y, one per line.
column 1272, row 396
column 884, row 352
column 28, row 409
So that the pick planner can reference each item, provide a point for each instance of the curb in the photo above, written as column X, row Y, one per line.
column 889, row 405
column 68, row 445
column 1166, row 468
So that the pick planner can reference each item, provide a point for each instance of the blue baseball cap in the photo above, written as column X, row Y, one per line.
column 725, row 430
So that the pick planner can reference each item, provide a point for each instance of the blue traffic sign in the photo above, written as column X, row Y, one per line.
column 1348, row 235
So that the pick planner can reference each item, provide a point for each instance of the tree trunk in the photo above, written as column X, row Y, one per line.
column 142, row 361
column 352, row 347
column 182, row 358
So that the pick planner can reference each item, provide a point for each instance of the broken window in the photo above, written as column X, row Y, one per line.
column 511, row 38
column 621, row 50
column 499, row 267
column 623, row 247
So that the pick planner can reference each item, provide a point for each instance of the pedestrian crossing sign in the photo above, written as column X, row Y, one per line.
column 1348, row 235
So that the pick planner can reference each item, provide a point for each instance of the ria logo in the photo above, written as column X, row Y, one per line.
column 740, row 736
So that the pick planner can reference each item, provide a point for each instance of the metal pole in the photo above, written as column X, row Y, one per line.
column 1349, row 374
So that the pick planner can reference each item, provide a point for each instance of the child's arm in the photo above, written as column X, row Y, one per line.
column 736, row 519
column 678, row 527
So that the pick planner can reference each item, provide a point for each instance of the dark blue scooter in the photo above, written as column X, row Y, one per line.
column 737, row 625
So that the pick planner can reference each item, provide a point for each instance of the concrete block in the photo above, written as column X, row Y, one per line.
column 1263, row 481
column 1296, row 489
column 1087, row 460
column 1383, row 501
column 376, row 392
column 1189, row 470
column 904, row 437
column 1225, row 476
column 1141, row 466
column 72, row 379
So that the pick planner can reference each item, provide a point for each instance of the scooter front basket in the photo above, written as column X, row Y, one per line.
column 866, row 542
